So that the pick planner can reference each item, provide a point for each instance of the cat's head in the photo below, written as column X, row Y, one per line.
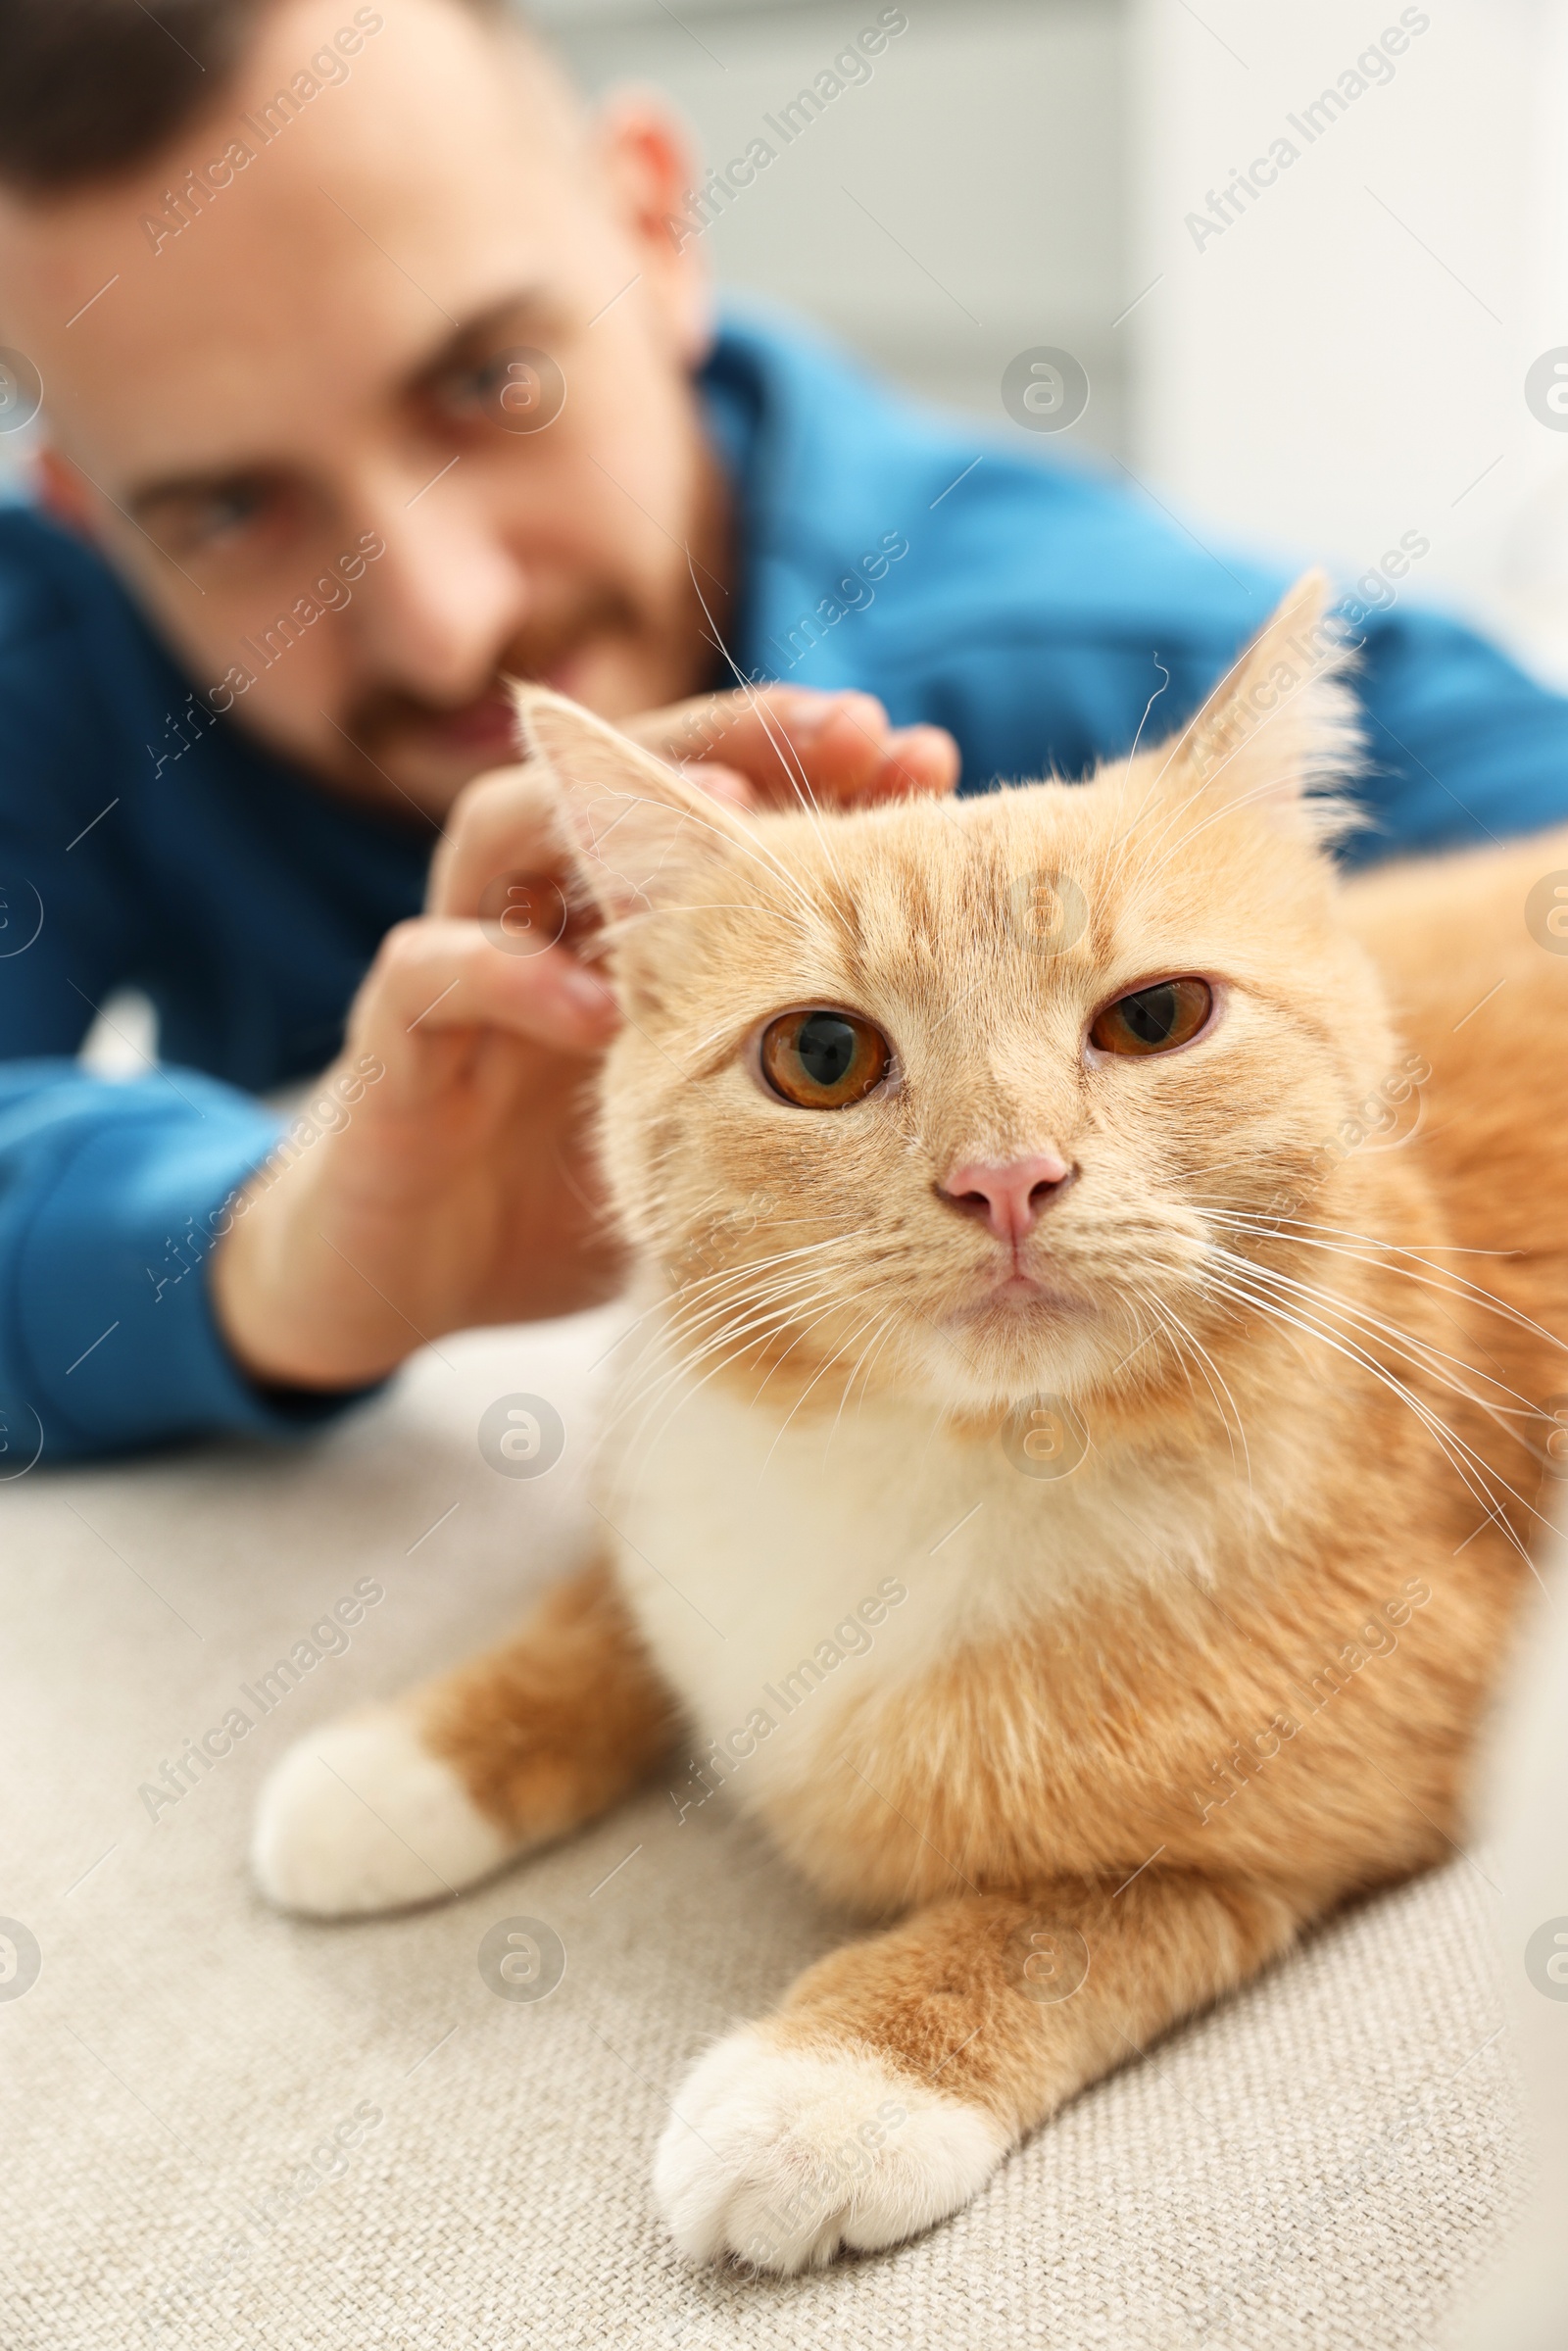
column 964, row 1097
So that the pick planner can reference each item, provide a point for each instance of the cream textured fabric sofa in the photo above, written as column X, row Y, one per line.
column 189, row 2160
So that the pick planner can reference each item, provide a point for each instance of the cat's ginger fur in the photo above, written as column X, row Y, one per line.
column 1129, row 1729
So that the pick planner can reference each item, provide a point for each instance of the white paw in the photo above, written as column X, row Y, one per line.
column 779, row 2156
column 359, row 1817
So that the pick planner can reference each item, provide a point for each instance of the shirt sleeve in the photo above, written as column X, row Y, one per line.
column 1045, row 616
column 111, row 1199
column 112, row 1194
column 1463, row 748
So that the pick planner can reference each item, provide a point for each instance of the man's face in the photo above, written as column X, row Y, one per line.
column 315, row 401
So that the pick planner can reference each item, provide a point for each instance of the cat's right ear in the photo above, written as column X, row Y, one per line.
column 636, row 832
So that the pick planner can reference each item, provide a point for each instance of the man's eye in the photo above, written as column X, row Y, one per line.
column 216, row 518
column 519, row 389
column 475, row 387
column 232, row 511
column 823, row 1061
column 1153, row 1021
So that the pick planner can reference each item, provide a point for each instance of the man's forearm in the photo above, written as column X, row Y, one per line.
column 111, row 1199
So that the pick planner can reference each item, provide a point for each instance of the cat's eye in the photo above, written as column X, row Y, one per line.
column 1153, row 1021
column 822, row 1060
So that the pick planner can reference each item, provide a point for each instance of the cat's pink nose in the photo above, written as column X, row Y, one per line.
column 1008, row 1194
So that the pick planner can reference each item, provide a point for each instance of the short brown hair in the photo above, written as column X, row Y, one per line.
column 89, row 88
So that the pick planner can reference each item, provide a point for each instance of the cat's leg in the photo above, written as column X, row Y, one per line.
column 899, row 2071
column 411, row 1801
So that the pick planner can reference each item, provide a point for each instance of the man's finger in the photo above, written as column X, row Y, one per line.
column 775, row 747
column 766, row 733
column 851, row 757
column 917, row 759
column 839, row 751
column 740, row 729
column 721, row 783
column 791, row 740
column 503, row 823
column 432, row 976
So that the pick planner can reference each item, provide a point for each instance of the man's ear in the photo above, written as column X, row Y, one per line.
column 1282, row 730
column 638, row 835
column 650, row 163
column 64, row 493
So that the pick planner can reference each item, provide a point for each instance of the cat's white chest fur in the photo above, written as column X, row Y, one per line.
column 782, row 1575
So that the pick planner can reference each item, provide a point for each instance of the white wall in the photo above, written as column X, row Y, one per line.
column 1343, row 362
column 970, row 202
column 1322, row 378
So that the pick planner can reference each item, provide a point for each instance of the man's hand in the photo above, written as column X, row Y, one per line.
column 460, row 1190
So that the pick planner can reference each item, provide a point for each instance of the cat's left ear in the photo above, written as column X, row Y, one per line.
column 635, row 830
column 1282, row 730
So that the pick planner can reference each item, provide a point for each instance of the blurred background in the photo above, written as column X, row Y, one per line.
column 1341, row 364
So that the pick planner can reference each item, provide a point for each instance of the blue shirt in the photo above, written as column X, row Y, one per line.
column 1030, row 607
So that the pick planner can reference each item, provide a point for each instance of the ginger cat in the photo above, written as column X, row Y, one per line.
column 1096, row 1476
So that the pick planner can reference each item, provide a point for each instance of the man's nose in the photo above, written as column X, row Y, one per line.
column 444, row 599
column 1007, row 1194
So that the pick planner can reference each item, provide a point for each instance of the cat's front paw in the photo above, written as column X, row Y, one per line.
column 781, row 2155
column 360, row 1816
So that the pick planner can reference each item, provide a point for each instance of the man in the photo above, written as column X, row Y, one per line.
column 373, row 370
